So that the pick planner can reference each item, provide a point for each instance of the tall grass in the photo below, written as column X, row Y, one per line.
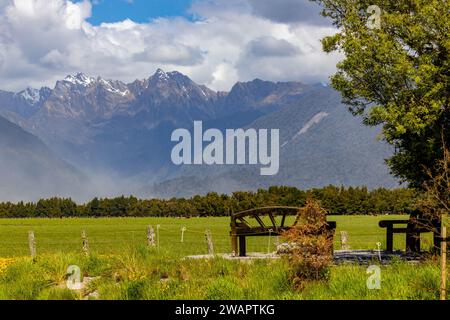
column 142, row 273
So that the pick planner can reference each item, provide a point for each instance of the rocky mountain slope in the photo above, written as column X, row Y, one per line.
column 321, row 143
column 122, row 131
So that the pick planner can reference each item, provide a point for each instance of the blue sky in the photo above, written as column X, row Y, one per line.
column 137, row 10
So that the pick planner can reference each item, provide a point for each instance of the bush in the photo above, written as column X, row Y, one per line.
column 310, row 245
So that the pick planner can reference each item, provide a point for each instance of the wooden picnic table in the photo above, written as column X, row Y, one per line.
column 413, row 228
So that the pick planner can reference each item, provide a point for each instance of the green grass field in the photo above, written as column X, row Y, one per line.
column 126, row 269
column 112, row 235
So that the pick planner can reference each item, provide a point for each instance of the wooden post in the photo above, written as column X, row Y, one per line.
column 32, row 244
column 242, row 246
column 85, row 242
column 151, row 237
column 209, row 242
column 379, row 250
column 234, row 241
column 437, row 240
column 183, row 230
column 344, row 241
column 157, row 234
column 234, row 244
column 269, row 242
column 443, row 261
column 390, row 238
column 412, row 237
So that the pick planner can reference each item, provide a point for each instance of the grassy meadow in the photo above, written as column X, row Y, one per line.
column 142, row 273
column 124, row 268
column 113, row 235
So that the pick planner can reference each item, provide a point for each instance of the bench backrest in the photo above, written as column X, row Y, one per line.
column 269, row 220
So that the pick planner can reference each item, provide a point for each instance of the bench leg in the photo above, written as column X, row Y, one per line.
column 416, row 248
column 413, row 242
column 410, row 242
column 234, row 244
column 242, row 246
column 437, row 242
column 389, row 239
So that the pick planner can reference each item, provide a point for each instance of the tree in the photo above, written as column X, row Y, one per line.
column 50, row 208
column 435, row 201
column 397, row 75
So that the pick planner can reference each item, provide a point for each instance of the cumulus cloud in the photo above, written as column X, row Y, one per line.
column 271, row 47
column 174, row 53
column 289, row 11
column 303, row 59
column 44, row 40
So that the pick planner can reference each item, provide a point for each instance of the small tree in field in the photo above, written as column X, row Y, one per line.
column 310, row 245
column 435, row 201
column 436, row 204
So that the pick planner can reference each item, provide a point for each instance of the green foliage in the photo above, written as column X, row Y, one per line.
column 336, row 200
column 397, row 75
column 224, row 289
column 204, row 279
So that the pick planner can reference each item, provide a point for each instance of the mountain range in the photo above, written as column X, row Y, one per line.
column 113, row 137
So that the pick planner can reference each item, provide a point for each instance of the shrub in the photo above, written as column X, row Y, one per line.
column 310, row 245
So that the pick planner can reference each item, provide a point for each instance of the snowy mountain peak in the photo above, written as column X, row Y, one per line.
column 31, row 95
column 162, row 78
column 161, row 75
column 175, row 74
column 113, row 87
column 80, row 79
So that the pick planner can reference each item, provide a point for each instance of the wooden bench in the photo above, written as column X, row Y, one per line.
column 413, row 228
column 241, row 228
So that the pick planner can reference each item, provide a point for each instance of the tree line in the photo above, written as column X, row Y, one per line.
column 336, row 200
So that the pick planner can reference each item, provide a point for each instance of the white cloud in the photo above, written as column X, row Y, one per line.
column 43, row 40
column 307, row 62
column 289, row 11
column 271, row 47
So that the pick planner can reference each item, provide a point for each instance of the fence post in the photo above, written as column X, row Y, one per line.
column 234, row 238
column 443, row 261
column 379, row 250
column 209, row 242
column 269, row 241
column 183, row 230
column 151, row 237
column 85, row 242
column 157, row 234
column 32, row 244
column 344, row 241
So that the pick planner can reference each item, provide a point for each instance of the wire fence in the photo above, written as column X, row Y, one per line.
column 177, row 236
column 188, row 241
